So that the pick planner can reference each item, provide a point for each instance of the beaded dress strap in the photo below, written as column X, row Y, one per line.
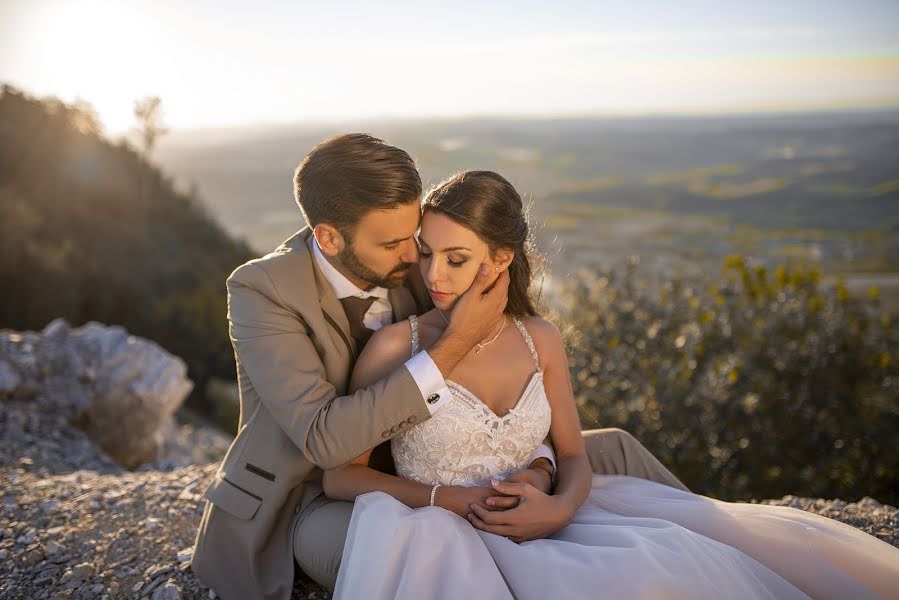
column 413, row 324
column 530, row 342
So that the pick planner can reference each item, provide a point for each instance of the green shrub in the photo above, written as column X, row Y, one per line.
column 757, row 385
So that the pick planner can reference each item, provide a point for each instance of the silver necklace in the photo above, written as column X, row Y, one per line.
column 485, row 344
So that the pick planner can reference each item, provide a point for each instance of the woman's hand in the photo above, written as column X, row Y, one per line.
column 459, row 499
column 536, row 516
column 539, row 479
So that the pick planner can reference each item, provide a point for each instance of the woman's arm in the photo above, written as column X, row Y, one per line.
column 537, row 514
column 388, row 348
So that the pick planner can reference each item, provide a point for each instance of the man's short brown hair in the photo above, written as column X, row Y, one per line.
column 345, row 177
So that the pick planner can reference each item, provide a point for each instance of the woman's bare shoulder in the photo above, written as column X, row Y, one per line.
column 547, row 337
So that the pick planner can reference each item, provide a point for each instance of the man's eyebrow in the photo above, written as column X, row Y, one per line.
column 396, row 241
column 450, row 249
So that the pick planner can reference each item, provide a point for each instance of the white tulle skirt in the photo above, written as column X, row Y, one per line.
column 632, row 538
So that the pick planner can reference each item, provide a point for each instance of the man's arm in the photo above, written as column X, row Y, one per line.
column 273, row 346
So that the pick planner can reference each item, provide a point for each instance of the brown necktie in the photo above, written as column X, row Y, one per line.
column 355, row 309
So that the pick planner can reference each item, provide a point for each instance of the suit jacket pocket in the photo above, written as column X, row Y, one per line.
column 232, row 498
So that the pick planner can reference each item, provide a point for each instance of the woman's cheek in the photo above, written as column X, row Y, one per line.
column 470, row 272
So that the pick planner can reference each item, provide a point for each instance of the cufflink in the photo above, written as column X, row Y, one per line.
column 433, row 398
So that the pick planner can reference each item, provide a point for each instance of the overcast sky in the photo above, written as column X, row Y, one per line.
column 218, row 63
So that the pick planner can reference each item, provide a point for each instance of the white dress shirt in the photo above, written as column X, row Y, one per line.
column 430, row 381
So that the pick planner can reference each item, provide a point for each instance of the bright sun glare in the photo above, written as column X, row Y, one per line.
column 90, row 58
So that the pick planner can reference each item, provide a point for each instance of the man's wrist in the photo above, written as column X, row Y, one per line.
column 448, row 352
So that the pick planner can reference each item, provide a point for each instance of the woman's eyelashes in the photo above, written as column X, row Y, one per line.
column 449, row 261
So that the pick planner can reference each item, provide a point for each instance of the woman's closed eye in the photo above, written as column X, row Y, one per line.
column 449, row 261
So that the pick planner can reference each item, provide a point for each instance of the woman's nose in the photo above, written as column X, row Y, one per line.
column 434, row 274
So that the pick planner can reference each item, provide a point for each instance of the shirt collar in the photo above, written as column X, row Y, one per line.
column 343, row 287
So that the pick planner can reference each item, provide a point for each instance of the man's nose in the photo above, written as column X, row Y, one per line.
column 410, row 252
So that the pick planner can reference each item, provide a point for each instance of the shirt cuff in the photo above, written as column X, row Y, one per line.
column 544, row 451
column 430, row 381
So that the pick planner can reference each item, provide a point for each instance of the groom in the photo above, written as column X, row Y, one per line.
column 298, row 318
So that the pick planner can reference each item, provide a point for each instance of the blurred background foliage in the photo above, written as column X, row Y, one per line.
column 91, row 230
column 759, row 383
column 748, row 381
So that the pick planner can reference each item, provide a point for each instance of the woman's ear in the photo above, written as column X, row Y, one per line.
column 329, row 239
column 502, row 259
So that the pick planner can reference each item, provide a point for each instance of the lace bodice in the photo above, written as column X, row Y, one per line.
column 464, row 442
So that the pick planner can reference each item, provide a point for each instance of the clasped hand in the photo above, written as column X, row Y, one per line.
column 519, row 508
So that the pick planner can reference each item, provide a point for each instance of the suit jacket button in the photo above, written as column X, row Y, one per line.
column 410, row 420
column 433, row 398
column 385, row 434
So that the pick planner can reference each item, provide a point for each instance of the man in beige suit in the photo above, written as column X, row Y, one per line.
column 298, row 319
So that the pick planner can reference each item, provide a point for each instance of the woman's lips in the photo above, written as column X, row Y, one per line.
column 439, row 295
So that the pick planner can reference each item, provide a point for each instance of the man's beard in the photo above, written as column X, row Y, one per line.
column 352, row 264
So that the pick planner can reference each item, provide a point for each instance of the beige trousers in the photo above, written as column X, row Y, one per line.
column 321, row 531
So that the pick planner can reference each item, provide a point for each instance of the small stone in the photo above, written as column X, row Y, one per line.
column 97, row 588
column 33, row 556
column 185, row 554
column 168, row 591
column 3, row 554
column 869, row 502
column 83, row 571
column 27, row 537
column 53, row 547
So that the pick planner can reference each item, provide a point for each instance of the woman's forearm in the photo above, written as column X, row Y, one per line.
column 574, row 479
column 354, row 479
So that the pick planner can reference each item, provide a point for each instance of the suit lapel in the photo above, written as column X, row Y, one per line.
column 331, row 307
column 402, row 302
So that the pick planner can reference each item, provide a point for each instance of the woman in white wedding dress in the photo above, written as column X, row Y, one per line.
column 421, row 534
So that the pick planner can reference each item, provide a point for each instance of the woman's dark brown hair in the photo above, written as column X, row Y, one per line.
column 488, row 204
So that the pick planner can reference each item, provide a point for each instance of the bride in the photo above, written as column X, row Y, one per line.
column 446, row 526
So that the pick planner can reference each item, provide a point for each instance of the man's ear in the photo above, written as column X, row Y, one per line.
column 329, row 239
column 502, row 259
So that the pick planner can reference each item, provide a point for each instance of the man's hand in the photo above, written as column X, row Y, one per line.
column 476, row 315
column 537, row 515
column 479, row 310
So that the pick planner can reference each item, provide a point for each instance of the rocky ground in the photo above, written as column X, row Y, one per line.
column 75, row 524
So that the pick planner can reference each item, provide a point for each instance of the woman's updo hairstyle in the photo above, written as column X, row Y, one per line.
column 488, row 204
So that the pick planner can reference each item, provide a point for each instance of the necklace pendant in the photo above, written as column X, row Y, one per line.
column 478, row 350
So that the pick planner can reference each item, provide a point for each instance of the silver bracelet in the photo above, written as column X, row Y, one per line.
column 434, row 491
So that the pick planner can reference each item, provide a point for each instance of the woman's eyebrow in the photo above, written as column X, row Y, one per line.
column 450, row 249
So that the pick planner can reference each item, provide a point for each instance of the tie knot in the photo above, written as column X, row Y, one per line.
column 355, row 309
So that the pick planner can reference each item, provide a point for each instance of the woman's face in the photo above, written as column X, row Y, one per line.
column 450, row 256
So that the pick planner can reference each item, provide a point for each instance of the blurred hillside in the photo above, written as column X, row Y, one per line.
column 681, row 192
column 90, row 230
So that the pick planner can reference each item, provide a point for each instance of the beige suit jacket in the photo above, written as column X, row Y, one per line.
column 294, row 356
